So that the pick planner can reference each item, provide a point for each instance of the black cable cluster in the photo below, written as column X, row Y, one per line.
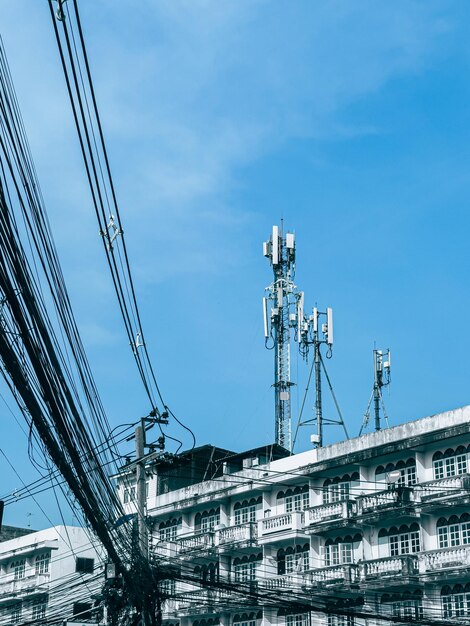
column 76, row 68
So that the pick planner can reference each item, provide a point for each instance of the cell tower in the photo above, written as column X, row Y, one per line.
column 312, row 331
column 283, row 297
column 382, row 378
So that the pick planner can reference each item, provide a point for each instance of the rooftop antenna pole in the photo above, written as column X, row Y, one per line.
column 382, row 365
column 283, row 298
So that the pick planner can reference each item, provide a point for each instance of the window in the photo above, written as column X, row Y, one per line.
column 338, row 488
column 82, row 610
column 15, row 614
column 42, row 563
column 298, row 619
column 19, row 569
column 407, row 471
column 340, row 620
column 130, row 494
column 450, row 463
column 168, row 530
column 208, row 520
column 404, row 606
column 402, row 540
column 245, row 567
column 293, row 559
column 351, row 604
column 340, row 551
column 454, row 531
column 39, row 609
column 246, row 511
column 247, row 619
column 208, row 572
column 455, row 601
column 84, row 565
column 296, row 499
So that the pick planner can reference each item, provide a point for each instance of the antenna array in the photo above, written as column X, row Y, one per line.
column 382, row 378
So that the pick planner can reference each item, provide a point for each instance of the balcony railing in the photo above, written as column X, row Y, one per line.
column 346, row 573
column 281, row 523
column 341, row 510
column 236, row 534
column 284, row 581
column 453, row 485
column 389, row 498
column 27, row 584
column 458, row 556
column 201, row 541
column 401, row 566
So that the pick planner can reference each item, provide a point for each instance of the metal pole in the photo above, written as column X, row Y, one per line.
column 141, row 491
column 318, row 400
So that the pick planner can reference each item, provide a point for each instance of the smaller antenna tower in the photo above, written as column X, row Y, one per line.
column 312, row 331
column 382, row 378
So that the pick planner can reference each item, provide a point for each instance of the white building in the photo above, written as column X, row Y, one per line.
column 374, row 526
column 48, row 576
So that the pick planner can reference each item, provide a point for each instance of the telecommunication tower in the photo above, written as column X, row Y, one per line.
column 283, row 297
column 382, row 378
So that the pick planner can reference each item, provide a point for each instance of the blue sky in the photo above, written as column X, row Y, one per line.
column 348, row 119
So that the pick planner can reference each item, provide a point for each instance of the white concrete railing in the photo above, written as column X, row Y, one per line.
column 9, row 585
column 342, row 509
column 443, row 486
column 283, row 581
column 334, row 573
column 279, row 523
column 403, row 565
column 196, row 542
column 458, row 556
column 235, row 534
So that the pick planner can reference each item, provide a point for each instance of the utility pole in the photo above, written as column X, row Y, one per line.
column 141, row 490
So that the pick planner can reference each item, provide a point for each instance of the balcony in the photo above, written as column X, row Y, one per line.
column 284, row 581
column 445, row 559
column 342, row 510
column 200, row 602
column 390, row 499
column 285, row 526
column 345, row 574
column 33, row 583
column 235, row 536
column 444, row 489
column 194, row 543
column 393, row 568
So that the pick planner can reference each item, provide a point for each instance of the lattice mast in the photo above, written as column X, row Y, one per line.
column 282, row 296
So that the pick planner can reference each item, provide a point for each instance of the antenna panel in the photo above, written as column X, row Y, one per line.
column 275, row 245
column 329, row 321
column 315, row 319
column 266, row 248
column 290, row 241
column 265, row 317
column 300, row 314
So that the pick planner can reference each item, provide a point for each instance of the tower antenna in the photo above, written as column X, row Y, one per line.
column 382, row 378
column 284, row 298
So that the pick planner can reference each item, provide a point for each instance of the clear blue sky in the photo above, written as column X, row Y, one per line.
column 349, row 119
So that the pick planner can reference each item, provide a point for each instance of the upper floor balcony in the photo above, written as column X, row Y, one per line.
column 234, row 537
column 32, row 583
column 195, row 543
column 283, row 581
column 440, row 563
column 389, row 500
column 343, row 510
column 281, row 527
column 444, row 489
column 390, row 570
column 199, row 602
column 345, row 574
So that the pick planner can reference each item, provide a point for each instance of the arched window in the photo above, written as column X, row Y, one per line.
column 455, row 601
column 293, row 559
column 450, row 463
column 338, row 488
column 246, row 511
column 247, row 619
column 454, row 531
column 19, row 569
column 407, row 606
column 294, row 618
column 295, row 498
column 245, row 567
column 209, row 572
column 346, row 604
column 340, row 551
column 207, row 520
column 402, row 540
column 168, row 530
column 407, row 469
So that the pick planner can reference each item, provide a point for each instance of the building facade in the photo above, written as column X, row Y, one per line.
column 372, row 530
column 49, row 576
